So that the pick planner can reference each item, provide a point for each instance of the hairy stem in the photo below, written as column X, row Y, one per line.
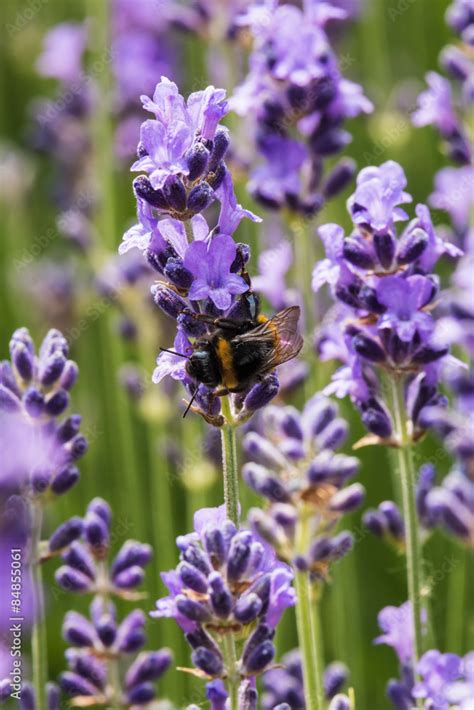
column 307, row 630
column 232, row 680
column 307, row 622
column 229, row 464
column 39, row 647
column 408, row 480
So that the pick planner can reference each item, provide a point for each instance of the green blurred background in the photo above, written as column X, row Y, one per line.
column 153, row 495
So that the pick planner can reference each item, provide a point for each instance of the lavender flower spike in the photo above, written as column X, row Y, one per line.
column 228, row 585
column 294, row 465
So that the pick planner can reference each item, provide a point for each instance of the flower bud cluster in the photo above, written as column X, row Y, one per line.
column 295, row 466
column 227, row 588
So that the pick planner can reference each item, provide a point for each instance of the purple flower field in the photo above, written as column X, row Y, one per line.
column 237, row 391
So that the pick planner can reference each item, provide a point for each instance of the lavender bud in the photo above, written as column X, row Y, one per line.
column 52, row 369
column 335, row 676
column 241, row 258
column 147, row 667
column 33, row 401
column 129, row 578
column 69, row 375
column 78, row 631
column 341, row 544
column 200, row 197
column 399, row 695
column 7, row 378
column 347, row 499
column 339, row 178
column 300, row 563
column 101, row 508
column 264, row 482
column 374, row 521
column 263, row 451
column 215, row 546
column 78, row 557
column 377, row 422
column 69, row 428
column 193, row 610
column 216, row 694
column 57, row 403
column 72, row 580
column 23, row 361
column 393, row 518
column 318, row 413
column 285, row 515
column 168, row 300
column 216, row 179
column 207, row 661
column 239, row 555
column 72, row 684
column 131, row 553
column 87, row 666
column 8, row 400
column 53, row 697
column 334, row 435
column 429, row 353
column 66, row 533
column 247, row 608
column 340, row 702
column 264, row 525
column 192, row 577
column 368, row 348
column 178, row 273
column 175, row 193
column 454, row 62
column 5, row 689
column 262, row 633
column 248, row 696
column 141, row 694
column 96, row 532
column 320, row 549
column 143, row 189
column 358, row 253
column 262, row 393
column 411, row 246
column 65, row 480
column 191, row 326
column 330, row 142
column 27, row 697
column 219, row 148
column 197, row 158
column 445, row 506
column 106, row 629
column 195, row 556
column 259, row 659
column 199, row 637
column 220, row 597
column 385, row 246
column 130, row 635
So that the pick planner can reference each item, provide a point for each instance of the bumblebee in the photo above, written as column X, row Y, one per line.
column 236, row 353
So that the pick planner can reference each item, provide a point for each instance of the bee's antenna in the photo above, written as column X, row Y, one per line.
column 191, row 402
column 173, row 352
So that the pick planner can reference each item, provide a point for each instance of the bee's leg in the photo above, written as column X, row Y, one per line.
column 221, row 392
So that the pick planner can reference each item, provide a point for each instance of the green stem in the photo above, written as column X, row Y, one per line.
column 39, row 647
column 229, row 464
column 307, row 630
column 407, row 479
column 232, row 680
column 307, row 621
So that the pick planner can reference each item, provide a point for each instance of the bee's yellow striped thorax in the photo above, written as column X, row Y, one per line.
column 224, row 353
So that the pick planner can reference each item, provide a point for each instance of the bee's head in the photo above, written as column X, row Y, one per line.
column 201, row 366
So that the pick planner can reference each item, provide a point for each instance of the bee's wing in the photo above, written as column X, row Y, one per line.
column 282, row 332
